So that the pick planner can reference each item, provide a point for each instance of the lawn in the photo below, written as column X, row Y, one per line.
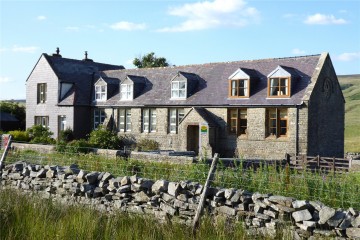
column 350, row 84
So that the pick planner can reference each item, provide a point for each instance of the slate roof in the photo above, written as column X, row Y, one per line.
column 79, row 72
column 212, row 88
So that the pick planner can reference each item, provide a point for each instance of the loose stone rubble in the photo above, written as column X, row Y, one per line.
column 262, row 214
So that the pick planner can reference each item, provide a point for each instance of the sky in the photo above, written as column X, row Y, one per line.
column 183, row 31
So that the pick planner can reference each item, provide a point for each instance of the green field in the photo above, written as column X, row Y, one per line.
column 350, row 85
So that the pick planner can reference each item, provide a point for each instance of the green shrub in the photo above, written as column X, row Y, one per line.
column 147, row 145
column 78, row 146
column 66, row 135
column 40, row 134
column 21, row 136
column 103, row 138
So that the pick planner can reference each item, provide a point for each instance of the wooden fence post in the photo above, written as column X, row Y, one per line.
column 200, row 207
column 7, row 147
column 318, row 161
column 334, row 165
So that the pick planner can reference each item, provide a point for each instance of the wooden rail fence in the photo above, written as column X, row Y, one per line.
column 328, row 164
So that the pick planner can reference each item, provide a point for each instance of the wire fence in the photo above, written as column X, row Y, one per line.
column 332, row 189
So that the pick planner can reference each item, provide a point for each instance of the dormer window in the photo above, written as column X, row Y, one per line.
column 131, row 87
column 126, row 91
column 100, row 93
column 239, row 88
column 239, row 82
column 279, row 87
column 183, row 85
column 178, row 89
column 280, row 81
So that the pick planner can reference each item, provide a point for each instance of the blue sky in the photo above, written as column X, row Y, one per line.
column 184, row 32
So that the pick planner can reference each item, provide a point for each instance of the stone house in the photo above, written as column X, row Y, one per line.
column 256, row 109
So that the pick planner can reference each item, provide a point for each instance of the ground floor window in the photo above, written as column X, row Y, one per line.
column 175, row 117
column 238, row 120
column 277, row 119
column 62, row 123
column 124, row 120
column 99, row 117
column 42, row 120
column 149, row 120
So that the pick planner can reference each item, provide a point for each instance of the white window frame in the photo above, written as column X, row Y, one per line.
column 42, row 120
column 42, row 92
column 126, row 91
column 62, row 122
column 124, row 120
column 149, row 120
column 100, row 93
column 99, row 117
column 177, row 91
column 175, row 117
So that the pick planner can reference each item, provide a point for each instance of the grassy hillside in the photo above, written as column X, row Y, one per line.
column 350, row 84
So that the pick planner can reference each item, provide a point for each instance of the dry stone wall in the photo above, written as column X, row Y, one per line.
column 177, row 201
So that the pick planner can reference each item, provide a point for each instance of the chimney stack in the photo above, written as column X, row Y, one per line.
column 57, row 54
column 86, row 58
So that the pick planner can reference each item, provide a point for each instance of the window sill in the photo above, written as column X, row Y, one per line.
column 274, row 138
column 278, row 97
column 184, row 98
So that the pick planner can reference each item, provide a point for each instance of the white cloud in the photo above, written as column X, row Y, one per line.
column 322, row 19
column 297, row 51
column 4, row 80
column 128, row 26
column 72, row 29
column 41, row 18
column 346, row 57
column 30, row 49
column 212, row 14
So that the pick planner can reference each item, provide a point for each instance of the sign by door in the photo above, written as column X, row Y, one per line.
column 204, row 128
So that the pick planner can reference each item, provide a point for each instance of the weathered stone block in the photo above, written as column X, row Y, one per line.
column 106, row 177
column 160, row 186
column 92, row 178
column 173, row 188
column 302, row 215
column 353, row 233
column 168, row 209
column 229, row 193
column 124, row 189
column 299, row 204
column 226, row 210
column 325, row 214
column 285, row 201
column 167, row 197
column 181, row 204
column 141, row 197
column 335, row 220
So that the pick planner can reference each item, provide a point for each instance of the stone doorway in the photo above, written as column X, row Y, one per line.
column 192, row 138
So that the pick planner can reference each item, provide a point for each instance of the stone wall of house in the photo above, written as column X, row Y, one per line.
column 326, row 115
column 254, row 145
column 257, row 145
column 263, row 214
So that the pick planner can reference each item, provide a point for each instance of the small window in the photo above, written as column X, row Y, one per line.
column 277, row 122
column 239, row 88
column 41, row 92
column 99, row 117
column 100, row 93
column 238, row 121
column 149, row 120
column 126, row 91
column 125, row 120
column 178, row 89
column 175, row 117
column 62, row 123
column 42, row 120
column 279, row 87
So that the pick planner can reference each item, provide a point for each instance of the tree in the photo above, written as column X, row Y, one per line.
column 150, row 60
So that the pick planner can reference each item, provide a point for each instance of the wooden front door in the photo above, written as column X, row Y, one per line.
column 193, row 138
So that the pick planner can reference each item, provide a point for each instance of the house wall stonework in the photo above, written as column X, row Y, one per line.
column 326, row 115
column 256, row 145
